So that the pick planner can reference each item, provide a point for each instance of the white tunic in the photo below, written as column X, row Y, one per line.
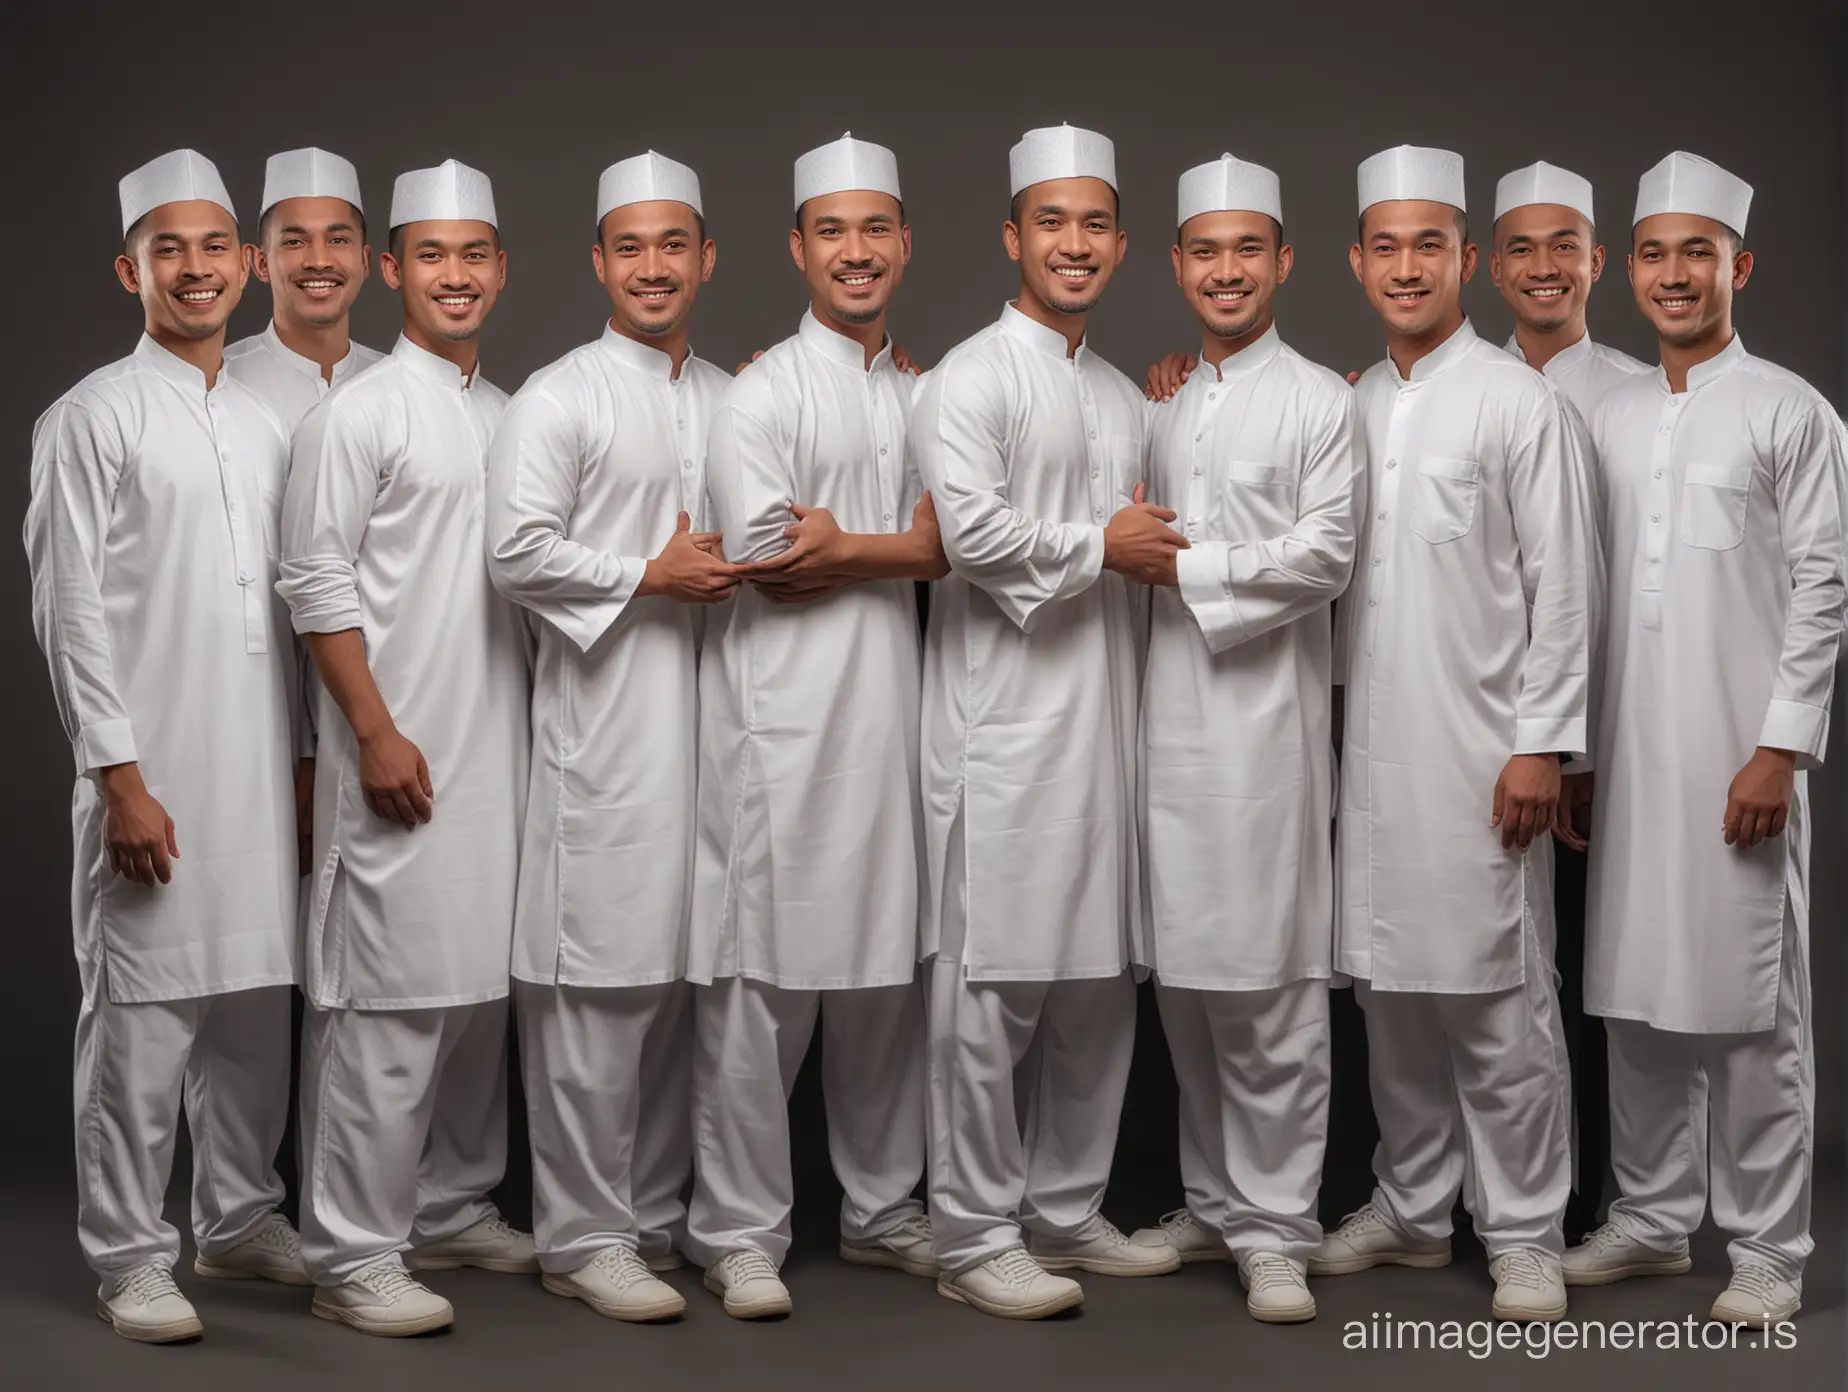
column 1259, row 461
column 1031, row 660
column 809, row 853
column 1724, row 525
column 1467, row 641
column 151, row 533
column 291, row 384
column 594, row 460
column 1584, row 372
column 383, row 532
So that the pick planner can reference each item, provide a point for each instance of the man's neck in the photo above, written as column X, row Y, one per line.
column 1406, row 349
column 1540, row 346
column 1215, row 350
column 1068, row 326
column 464, row 352
column 674, row 343
column 1679, row 358
column 206, row 354
column 871, row 336
column 325, row 344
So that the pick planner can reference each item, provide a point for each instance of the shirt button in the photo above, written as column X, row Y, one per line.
column 1093, row 473
column 1667, row 428
column 1200, row 436
column 243, row 577
column 1392, row 463
column 1373, row 604
column 1658, row 473
column 1212, row 396
column 1382, row 517
column 1376, row 560
column 1093, row 434
column 1196, row 471
column 882, row 449
column 1655, row 517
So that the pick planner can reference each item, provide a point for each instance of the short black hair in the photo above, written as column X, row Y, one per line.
column 139, row 225
column 263, row 222
column 797, row 224
column 1116, row 205
column 394, row 239
column 1460, row 217
column 699, row 224
column 1276, row 231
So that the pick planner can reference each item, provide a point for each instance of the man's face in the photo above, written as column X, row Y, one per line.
column 1546, row 260
column 313, row 258
column 186, row 265
column 851, row 248
column 1067, row 242
column 652, row 261
column 1412, row 261
column 449, row 274
column 1684, row 270
column 1229, row 266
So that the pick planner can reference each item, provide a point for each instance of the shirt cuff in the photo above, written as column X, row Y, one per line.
column 1802, row 729
column 1201, row 571
column 1081, row 571
column 104, row 743
column 1550, row 735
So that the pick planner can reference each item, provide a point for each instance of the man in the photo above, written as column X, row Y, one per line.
column 1465, row 639
column 150, row 533
column 596, row 474
column 424, row 740
column 1723, row 515
column 805, row 890
column 1257, row 457
column 1032, row 448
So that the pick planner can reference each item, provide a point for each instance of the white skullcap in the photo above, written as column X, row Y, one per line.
column 1060, row 152
column 178, row 176
column 648, row 178
column 1684, row 183
column 1544, row 183
column 1414, row 173
column 1229, row 185
column 846, row 164
column 309, row 173
column 450, row 192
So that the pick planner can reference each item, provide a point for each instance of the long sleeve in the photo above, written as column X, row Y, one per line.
column 959, row 431
column 1597, row 582
column 749, row 481
column 333, row 486
column 533, row 472
column 76, row 464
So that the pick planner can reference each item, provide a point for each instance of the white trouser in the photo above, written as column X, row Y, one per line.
column 607, row 1073
column 1253, row 1072
column 404, row 1129
column 1756, row 1095
column 226, row 1059
column 751, row 1039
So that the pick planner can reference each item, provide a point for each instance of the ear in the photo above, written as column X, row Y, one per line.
column 1597, row 264
column 904, row 244
column 391, row 270
column 1495, row 269
column 1354, row 262
column 1122, row 245
column 1174, row 257
column 1010, row 238
column 501, row 258
column 1286, row 262
column 797, row 253
column 1629, row 265
column 596, row 260
column 257, row 261
column 365, row 262
column 1742, row 269
column 128, row 273
column 708, row 258
column 1470, row 255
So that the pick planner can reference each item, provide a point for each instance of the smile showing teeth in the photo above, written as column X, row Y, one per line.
column 1546, row 292
column 857, row 279
column 456, row 301
column 1074, row 272
column 1676, row 302
column 318, row 287
column 1406, row 296
column 1227, row 296
column 198, row 296
column 652, row 296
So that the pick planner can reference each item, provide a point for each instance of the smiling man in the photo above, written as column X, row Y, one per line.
column 1032, row 448
column 805, row 890
column 423, row 729
column 1466, row 643
column 1723, row 505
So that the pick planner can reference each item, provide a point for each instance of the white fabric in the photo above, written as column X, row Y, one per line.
column 1413, row 173
column 843, row 165
column 179, row 176
column 1236, row 773
column 383, row 532
column 151, row 533
column 1584, row 372
column 404, row 1130
column 226, row 1057
column 1253, row 1073
column 290, row 384
column 648, row 178
column 751, row 1038
column 450, row 192
column 309, row 173
column 1031, row 662
column 807, row 866
column 1751, row 1098
column 607, row 1076
column 593, row 461
column 1467, row 641
column 1541, row 182
column 1725, row 536
column 1060, row 152
column 1228, row 185
column 1684, row 183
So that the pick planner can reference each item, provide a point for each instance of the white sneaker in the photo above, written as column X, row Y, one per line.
column 617, row 1284
column 1755, row 1295
column 386, row 1300
column 750, row 1285
column 669, row 1260
column 1101, row 1249
column 1528, row 1286
column 1012, row 1286
column 1275, row 1291
column 146, row 1306
column 1610, row 1254
column 1365, row 1240
column 904, row 1248
column 492, row 1245
column 1187, row 1235
column 272, row 1253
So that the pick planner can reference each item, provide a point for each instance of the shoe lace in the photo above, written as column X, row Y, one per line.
column 388, row 1279
column 1016, row 1268
column 1177, row 1222
column 1523, row 1268
column 1267, row 1270
column 1108, row 1231
column 277, row 1236
column 148, row 1283
column 1363, row 1219
column 502, row 1229
column 916, row 1228
column 622, row 1266
column 750, row 1265
column 1606, row 1237
column 1756, row 1280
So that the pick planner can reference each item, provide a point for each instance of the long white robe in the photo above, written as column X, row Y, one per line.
column 1584, row 372
column 291, row 384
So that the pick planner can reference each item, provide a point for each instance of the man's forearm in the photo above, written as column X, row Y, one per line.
column 911, row 555
column 340, row 658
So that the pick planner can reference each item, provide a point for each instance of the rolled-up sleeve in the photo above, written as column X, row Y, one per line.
column 750, row 473
column 333, row 487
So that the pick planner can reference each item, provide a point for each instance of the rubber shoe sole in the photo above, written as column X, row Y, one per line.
column 885, row 1257
column 1527, row 1314
column 1208, row 1255
column 1103, row 1267
column 1667, row 1266
column 220, row 1271
column 1347, row 1266
column 384, row 1329
column 173, row 1332
column 630, row 1314
column 1726, row 1314
column 1289, row 1314
column 767, row 1308
column 508, row 1266
column 1057, row 1305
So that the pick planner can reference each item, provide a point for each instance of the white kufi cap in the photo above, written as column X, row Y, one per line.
column 309, row 173
column 1412, row 172
column 450, row 192
column 1060, row 152
column 1229, row 185
column 1544, row 183
column 846, row 164
column 648, row 178
column 180, row 176
column 1684, row 183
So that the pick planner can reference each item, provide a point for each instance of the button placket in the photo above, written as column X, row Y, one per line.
column 1660, row 496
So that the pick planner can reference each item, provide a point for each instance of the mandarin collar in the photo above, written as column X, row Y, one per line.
column 1451, row 351
column 1248, row 359
column 1561, row 362
column 272, row 343
column 1037, row 335
column 639, row 356
column 1713, row 369
column 837, row 347
column 431, row 367
column 173, row 367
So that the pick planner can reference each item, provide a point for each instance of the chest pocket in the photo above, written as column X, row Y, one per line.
column 1444, row 503
column 1123, row 458
column 1713, row 501
column 1247, row 473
